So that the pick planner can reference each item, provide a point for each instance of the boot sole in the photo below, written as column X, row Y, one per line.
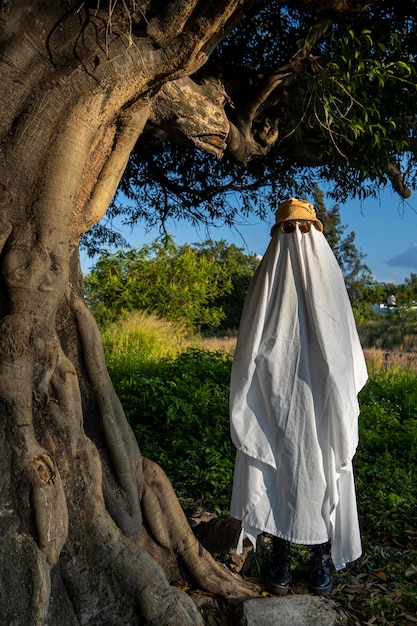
column 278, row 590
column 321, row 591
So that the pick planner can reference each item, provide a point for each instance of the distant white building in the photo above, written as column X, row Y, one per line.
column 389, row 307
column 381, row 309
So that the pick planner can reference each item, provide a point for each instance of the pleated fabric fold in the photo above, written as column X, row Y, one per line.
column 296, row 374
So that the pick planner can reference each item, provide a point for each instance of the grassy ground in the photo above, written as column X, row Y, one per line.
column 176, row 399
column 381, row 587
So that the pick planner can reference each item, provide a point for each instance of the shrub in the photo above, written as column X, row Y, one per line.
column 178, row 409
column 394, row 331
column 387, row 454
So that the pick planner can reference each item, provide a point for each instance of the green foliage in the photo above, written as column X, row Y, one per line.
column 363, row 312
column 386, row 458
column 239, row 267
column 347, row 94
column 201, row 286
column 170, row 281
column 205, row 285
column 177, row 405
column 407, row 293
column 401, row 321
column 397, row 330
column 178, row 409
column 346, row 112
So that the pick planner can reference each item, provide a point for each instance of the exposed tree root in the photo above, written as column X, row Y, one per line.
column 168, row 526
column 158, row 546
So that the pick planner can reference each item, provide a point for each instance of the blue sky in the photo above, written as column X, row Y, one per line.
column 385, row 229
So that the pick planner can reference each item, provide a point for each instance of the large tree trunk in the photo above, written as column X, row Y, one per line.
column 91, row 533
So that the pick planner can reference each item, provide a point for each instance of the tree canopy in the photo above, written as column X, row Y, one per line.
column 312, row 93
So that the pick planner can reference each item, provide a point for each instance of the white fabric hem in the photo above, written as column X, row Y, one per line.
column 254, row 533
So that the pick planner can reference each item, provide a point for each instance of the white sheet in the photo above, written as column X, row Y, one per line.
column 297, row 370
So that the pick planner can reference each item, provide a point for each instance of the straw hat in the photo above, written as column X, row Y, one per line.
column 297, row 210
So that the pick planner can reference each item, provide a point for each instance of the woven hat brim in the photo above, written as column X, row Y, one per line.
column 296, row 210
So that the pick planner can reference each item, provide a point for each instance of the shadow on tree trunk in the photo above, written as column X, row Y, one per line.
column 92, row 532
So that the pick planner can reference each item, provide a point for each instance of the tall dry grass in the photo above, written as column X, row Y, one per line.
column 377, row 360
column 215, row 344
column 139, row 337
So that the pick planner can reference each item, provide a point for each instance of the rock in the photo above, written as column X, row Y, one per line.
column 297, row 610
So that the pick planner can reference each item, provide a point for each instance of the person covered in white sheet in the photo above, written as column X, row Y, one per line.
column 296, row 374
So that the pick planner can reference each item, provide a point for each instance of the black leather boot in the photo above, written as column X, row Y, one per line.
column 278, row 579
column 320, row 580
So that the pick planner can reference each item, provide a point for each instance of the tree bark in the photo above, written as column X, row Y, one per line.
column 91, row 533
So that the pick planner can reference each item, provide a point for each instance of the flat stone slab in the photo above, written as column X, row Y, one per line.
column 292, row 610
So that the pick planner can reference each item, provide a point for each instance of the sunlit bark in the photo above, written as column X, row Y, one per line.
column 91, row 533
